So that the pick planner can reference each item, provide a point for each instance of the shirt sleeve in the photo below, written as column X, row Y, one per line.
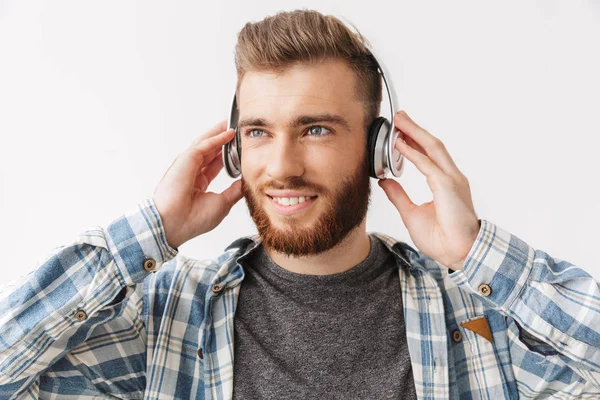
column 555, row 304
column 56, row 307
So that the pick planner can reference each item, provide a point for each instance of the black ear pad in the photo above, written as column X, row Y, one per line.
column 371, row 142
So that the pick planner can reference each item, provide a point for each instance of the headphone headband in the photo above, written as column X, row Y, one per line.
column 390, row 159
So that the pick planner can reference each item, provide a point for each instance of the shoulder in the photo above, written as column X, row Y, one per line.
column 203, row 272
column 413, row 259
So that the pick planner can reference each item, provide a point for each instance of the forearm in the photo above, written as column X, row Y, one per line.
column 57, row 305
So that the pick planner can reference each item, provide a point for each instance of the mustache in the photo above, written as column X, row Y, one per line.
column 293, row 183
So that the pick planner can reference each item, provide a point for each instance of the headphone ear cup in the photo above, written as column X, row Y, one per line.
column 374, row 132
column 238, row 144
column 232, row 156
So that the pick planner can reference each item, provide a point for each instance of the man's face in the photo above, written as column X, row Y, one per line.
column 303, row 142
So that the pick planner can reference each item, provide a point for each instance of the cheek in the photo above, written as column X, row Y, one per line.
column 334, row 159
column 252, row 163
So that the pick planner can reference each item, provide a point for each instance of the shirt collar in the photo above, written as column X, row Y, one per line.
column 245, row 245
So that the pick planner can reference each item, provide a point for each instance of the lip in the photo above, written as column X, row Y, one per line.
column 290, row 210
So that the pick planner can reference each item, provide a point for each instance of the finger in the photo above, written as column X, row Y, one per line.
column 208, row 158
column 414, row 144
column 212, row 169
column 398, row 196
column 232, row 194
column 432, row 146
column 215, row 130
column 206, row 147
column 209, row 173
column 187, row 166
column 201, row 183
column 421, row 161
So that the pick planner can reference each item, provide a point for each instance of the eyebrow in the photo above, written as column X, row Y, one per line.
column 299, row 121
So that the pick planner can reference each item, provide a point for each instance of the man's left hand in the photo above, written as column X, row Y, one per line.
column 445, row 228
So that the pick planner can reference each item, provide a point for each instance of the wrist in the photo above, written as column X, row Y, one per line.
column 460, row 265
column 171, row 237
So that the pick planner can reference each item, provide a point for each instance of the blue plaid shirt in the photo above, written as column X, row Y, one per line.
column 119, row 313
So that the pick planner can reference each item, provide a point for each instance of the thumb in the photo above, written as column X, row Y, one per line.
column 396, row 194
column 232, row 194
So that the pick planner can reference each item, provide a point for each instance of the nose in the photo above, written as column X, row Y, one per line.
column 286, row 159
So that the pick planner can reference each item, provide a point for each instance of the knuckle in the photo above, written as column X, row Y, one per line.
column 195, row 153
column 447, row 181
column 434, row 144
column 459, row 181
column 441, row 180
column 199, row 140
column 437, row 143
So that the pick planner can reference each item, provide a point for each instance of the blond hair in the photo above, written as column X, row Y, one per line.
column 307, row 36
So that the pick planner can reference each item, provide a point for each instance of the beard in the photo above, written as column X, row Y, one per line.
column 345, row 209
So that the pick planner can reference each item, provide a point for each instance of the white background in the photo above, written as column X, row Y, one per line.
column 98, row 98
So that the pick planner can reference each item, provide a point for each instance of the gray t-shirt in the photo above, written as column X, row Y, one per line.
column 339, row 336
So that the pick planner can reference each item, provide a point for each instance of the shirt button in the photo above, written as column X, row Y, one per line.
column 485, row 289
column 200, row 353
column 81, row 315
column 149, row 264
column 456, row 335
column 217, row 288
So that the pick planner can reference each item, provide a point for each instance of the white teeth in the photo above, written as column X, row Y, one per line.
column 290, row 201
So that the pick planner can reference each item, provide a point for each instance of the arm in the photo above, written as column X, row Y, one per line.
column 56, row 307
column 550, row 306
column 556, row 305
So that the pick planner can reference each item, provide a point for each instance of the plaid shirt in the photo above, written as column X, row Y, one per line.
column 119, row 313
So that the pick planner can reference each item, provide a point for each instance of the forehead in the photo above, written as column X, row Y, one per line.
column 326, row 87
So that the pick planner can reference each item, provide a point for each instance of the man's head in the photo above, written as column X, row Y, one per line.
column 307, row 92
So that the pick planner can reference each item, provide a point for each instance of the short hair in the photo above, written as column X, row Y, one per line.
column 307, row 36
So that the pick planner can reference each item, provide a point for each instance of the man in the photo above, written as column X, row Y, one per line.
column 313, row 306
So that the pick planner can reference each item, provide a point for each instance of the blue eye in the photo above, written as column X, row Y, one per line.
column 315, row 130
column 318, row 133
column 249, row 132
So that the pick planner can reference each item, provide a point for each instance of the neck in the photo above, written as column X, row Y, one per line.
column 353, row 249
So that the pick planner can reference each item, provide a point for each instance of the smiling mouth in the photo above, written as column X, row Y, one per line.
column 291, row 201
column 291, row 206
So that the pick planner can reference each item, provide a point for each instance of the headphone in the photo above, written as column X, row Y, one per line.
column 383, row 157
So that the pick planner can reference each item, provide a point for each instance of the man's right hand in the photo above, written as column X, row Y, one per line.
column 185, row 207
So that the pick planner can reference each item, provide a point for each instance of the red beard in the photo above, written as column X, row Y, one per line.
column 345, row 210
